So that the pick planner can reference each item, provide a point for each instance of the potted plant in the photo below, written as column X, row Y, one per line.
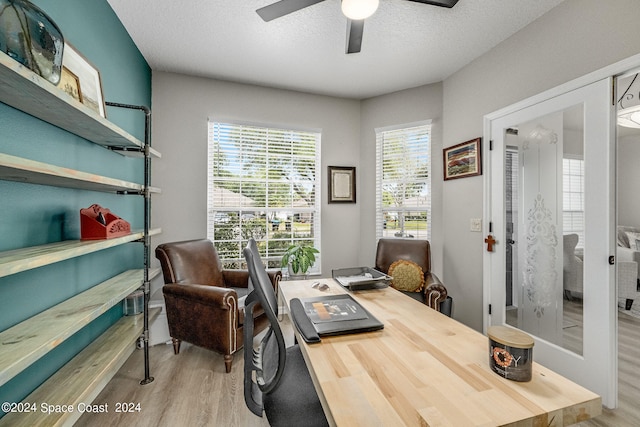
column 299, row 258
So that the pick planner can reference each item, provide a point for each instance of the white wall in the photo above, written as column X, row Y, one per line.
column 182, row 104
column 573, row 39
column 181, row 107
column 407, row 106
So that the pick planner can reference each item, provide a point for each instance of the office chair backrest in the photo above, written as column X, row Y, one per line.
column 269, row 358
column 268, row 291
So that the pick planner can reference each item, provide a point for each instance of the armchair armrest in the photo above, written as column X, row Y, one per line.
column 627, row 254
column 236, row 278
column 223, row 298
column 434, row 291
column 240, row 278
column 431, row 279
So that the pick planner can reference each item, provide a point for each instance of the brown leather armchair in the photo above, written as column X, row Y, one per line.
column 434, row 293
column 204, row 302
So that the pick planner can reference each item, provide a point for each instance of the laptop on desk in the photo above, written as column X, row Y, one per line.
column 331, row 315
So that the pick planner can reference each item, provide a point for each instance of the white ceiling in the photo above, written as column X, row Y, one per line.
column 405, row 44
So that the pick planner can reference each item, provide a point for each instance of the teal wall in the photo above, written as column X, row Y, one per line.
column 34, row 214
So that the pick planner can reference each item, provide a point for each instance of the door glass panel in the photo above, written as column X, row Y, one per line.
column 544, row 213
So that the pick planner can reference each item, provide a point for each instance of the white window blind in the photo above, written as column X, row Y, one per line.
column 403, row 182
column 573, row 198
column 263, row 183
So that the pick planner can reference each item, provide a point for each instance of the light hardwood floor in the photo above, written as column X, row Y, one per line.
column 627, row 414
column 189, row 389
column 192, row 389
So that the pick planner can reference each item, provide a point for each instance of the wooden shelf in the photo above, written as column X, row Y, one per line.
column 31, row 339
column 80, row 381
column 26, row 91
column 24, row 170
column 15, row 261
column 19, row 169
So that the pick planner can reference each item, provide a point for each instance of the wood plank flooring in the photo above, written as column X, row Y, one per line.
column 627, row 414
column 192, row 389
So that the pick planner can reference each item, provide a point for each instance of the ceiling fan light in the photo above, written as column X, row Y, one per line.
column 359, row 9
column 629, row 117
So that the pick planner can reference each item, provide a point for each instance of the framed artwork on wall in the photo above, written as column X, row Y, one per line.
column 88, row 76
column 462, row 160
column 342, row 184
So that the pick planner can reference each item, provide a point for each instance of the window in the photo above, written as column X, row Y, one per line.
column 263, row 183
column 403, row 196
column 573, row 197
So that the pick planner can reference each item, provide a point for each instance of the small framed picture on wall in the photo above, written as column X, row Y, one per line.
column 342, row 184
column 462, row 160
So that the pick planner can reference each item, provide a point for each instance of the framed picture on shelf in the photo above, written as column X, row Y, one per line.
column 462, row 160
column 342, row 184
column 70, row 83
column 88, row 76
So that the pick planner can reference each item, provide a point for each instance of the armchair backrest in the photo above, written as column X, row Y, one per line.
column 190, row 261
column 569, row 242
column 391, row 250
column 267, row 361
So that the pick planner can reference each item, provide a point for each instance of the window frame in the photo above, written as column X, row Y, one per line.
column 269, row 210
column 425, row 208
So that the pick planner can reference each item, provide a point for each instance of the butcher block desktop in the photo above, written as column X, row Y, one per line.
column 426, row 369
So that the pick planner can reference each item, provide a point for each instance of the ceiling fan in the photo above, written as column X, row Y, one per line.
column 355, row 10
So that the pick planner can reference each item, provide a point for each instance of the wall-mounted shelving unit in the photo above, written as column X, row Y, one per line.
column 36, row 336
column 26, row 91
column 82, row 378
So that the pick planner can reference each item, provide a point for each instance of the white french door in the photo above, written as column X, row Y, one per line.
column 532, row 209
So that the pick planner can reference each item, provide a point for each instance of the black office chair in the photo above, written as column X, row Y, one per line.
column 282, row 386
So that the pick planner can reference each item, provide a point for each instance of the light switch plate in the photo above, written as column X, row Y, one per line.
column 476, row 224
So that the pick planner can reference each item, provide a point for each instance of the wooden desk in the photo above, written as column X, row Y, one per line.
column 425, row 369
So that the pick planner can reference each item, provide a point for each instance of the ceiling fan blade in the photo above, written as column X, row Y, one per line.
column 284, row 7
column 443, row 3
column 355, row 29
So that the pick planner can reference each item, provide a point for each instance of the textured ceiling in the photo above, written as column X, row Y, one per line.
column 405, row 44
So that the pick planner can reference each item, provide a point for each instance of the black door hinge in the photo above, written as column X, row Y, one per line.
column 489, row 308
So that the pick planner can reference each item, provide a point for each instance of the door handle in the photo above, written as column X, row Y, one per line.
column 612, row 260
